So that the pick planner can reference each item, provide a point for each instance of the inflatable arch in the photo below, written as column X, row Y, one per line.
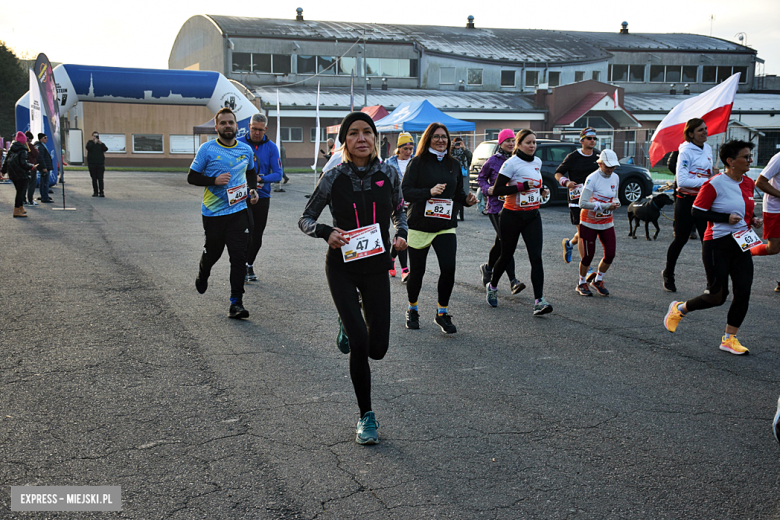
column 144, row 86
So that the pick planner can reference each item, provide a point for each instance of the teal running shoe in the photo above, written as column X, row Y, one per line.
column 366, row 429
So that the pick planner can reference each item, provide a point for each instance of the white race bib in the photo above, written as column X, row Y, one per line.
column 747, row 239
column 236, row 194
column 439, row 208
column 530, row 198
column 576, row 192
column 362, row 243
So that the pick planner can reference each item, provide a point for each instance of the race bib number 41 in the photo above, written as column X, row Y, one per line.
column 747, row 239
column 362, row 243
column 236, row 194
column 439, row 208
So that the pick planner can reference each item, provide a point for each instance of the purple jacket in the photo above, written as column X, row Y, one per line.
column 487, row 178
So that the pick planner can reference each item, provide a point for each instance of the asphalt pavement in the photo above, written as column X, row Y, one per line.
column 116, row 372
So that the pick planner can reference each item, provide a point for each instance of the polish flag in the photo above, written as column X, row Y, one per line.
column 713, row 106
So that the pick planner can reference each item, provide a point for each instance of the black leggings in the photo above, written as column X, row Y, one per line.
column 495, row 251
column 258, row 218
column 369, row 337
column 21, row 191
column 529, row 224
column 683, row 224
column 446, row 247
column 97, row 172
column 722, row 258
column 402, row 256
column 231, row 231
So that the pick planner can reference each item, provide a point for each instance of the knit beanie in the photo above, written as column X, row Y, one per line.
column 405, row 138
column 351, row 118
column 20, row 137
column 505, row 134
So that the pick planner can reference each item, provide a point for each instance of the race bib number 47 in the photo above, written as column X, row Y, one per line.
column 362, row 243
column 439, row 208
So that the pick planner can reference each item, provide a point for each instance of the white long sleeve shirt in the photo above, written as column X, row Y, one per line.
column 694, row 167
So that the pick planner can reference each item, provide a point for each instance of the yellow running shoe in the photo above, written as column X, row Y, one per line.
column 673, row 317
column 733, row 346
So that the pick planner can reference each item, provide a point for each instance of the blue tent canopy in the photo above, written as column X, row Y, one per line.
column 416, row 116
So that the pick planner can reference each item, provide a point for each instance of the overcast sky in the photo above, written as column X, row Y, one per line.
column 141, row 33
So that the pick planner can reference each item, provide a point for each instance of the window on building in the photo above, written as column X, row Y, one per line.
column 554, row 78
column 347, row 66
column 404, row 68
column 116, row 143
column 673, row 74
column 618, row 73
column 723, row 73
column 447, row 76
column 184, row 144
column 689, row 73
column 474, row 76
column 261, row 63
column 326, row 65
column 743, row 73
column 492, row 133
column 414, row 68
column 147, row 143
column 657, row 73
column 637, row 73
column 242, row 62
column 709, row 74
column 373, row 66
column 307, row 64
column 507, row 78
column 389, row 68
column 596, row 75
column 531, row 78
column 291, row 135
column 313, row 134
column 282, row 64
column 629, row 145
column 579, row 75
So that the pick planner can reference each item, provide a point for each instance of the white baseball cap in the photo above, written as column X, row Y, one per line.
column 609, row 158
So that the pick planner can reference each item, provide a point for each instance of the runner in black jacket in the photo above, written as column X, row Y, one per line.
column 363, row 195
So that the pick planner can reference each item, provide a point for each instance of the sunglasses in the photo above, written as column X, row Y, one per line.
column 590, row 138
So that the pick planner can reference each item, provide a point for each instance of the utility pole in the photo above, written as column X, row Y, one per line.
column 365, row 72
column 712, row 19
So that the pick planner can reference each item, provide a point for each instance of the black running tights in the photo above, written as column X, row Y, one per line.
column 258, row 218
column 231, row 231
column 722, row 258
column 368, row 330
column 529, row 225
column 446, row 247
column 684, row 222
column 495, row 251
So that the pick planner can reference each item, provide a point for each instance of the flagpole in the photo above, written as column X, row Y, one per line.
column 317, row 137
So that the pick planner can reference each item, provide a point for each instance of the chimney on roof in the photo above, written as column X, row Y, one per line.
column 470, row 24
column 299, row 16
column 687, row 90
column 672, row 89
column 624, row 30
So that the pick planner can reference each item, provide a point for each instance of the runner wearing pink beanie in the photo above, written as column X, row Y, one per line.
column 20, row 138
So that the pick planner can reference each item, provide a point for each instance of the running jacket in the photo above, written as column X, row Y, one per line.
column 487, row 178
column 423, row 173
column 266, row 160
column 357, row 199
column 720, row 197
column 694, row 168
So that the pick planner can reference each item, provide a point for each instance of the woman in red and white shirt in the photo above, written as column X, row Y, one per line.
column 726, row 202
column 520, row 180
column 598, row 200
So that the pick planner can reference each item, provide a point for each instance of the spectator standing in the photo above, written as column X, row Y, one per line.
column 32, row 175
column 96, row 162
column 17, row 168
column 44, row 167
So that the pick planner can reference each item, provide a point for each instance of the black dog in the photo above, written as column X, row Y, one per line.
column 649, row 211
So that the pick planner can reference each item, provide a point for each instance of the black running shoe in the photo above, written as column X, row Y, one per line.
column 201, row 284
column 486, row 272
column 445, row 322
column 237, row 311
column 668, row 282
column 412, row 319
